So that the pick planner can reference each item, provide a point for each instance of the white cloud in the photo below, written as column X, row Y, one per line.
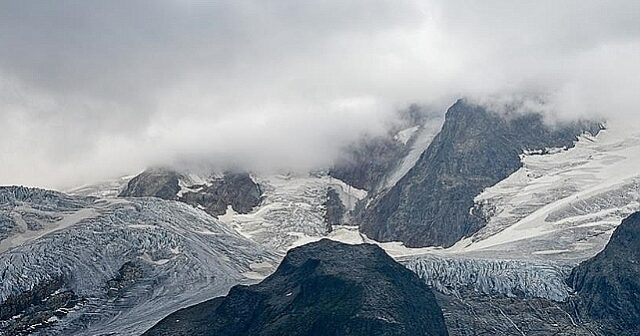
column 92, row 89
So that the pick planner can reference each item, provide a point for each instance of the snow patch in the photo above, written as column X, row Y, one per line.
column 406, row 134
column 423, row 136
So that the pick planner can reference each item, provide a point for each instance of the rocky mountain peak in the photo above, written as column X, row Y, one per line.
column 475, row 149
column 322, row 288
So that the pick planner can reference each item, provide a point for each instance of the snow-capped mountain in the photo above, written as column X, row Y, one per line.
column 476, row 148
column 99, row 261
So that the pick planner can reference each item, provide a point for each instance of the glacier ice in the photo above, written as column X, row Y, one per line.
column 564, row 205
column 186, row 256
column 511, row 278
column 292, row 208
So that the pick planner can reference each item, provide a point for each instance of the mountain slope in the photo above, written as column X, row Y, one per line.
column 375, row 163
column 293, row 207
column 155, row 182
column 561, row 206
column 90, row 266
column 323, row 288
column 608, row 285
column 475, row 149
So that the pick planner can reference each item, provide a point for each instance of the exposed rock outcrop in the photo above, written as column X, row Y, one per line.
column 36, row 308
column 608, row 285
column 477, row 314
column 334, row 209
column 367, row 163
column 323, row 288
column 475, row 149
column 155, row 182
column 237, row 190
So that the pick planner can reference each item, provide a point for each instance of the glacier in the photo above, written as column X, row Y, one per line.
column 182, row 256
column 506, row 277
column 556, row 211
column 292, row 208
column 561, row 206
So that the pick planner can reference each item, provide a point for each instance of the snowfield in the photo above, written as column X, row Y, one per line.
column 422, row 137
column 562, row 206
column 292, row 207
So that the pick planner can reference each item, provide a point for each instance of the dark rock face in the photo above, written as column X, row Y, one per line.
column 235, row 189
column 367, row 162
column 34, row 309
column 127, row 276
column 608, row 285
column 475, row 149
column 157, row 182
column 323, row 288
column 335, row 210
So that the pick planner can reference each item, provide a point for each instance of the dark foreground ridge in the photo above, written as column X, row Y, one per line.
column 475, row 149
column 608, row 285
column 323, row 288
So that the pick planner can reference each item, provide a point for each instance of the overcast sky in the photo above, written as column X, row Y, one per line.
column 93, row 89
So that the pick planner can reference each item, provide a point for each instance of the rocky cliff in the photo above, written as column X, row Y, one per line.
column 608, row 285
column 475, row 149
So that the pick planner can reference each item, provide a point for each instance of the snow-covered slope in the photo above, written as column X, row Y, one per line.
column 561, row 206
column 292, row 207
column 511, row 278
column 556, row 211
column 127, row 262
column 105, row 189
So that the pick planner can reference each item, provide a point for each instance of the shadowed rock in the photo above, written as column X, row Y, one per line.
column 335, row 210
column 323, row 288
column 608, row 285
column 156, row 182
column 237, row 190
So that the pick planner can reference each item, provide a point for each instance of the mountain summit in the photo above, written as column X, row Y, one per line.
column 475, row 149
column 323, row 288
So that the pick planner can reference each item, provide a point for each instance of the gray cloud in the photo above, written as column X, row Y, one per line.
column 91, row 89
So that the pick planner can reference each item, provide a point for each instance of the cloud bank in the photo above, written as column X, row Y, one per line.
column 93, row 89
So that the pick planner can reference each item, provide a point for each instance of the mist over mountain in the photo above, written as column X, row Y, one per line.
column 335, row 167
column 105, row 89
